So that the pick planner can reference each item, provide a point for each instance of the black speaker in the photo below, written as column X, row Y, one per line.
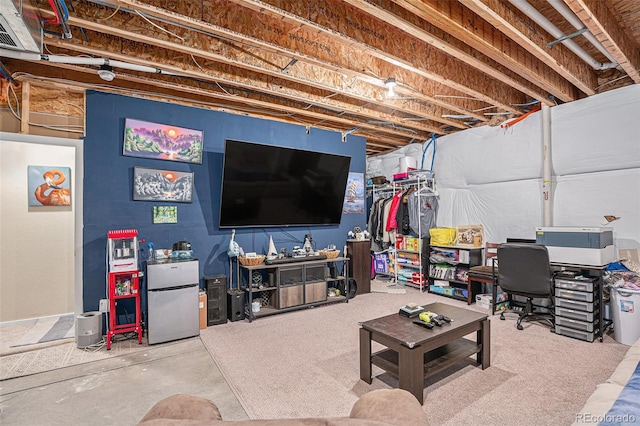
column 216, row 287
column 235, row 305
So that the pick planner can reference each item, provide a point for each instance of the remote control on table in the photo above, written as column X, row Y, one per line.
column 423, row 324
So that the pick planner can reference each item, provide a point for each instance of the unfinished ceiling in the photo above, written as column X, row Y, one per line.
column 327, row 63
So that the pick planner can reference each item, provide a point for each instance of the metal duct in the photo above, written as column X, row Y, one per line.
column 548, row 26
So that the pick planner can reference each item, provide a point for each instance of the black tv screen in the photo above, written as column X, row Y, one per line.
column 267, row 185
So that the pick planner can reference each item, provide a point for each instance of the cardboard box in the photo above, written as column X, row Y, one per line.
column 203, row 309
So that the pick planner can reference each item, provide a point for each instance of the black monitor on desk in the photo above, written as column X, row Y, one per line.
column 521, row 240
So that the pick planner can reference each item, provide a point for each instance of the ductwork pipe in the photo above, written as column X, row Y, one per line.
column 571, row 17
column 79, row 60
column 548, row 26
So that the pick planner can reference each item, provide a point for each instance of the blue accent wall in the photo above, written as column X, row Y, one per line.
column 108, row 178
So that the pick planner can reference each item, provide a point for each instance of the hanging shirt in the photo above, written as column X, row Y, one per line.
column 422, row 213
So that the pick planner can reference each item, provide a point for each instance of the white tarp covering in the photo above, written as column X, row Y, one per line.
column 493, row 176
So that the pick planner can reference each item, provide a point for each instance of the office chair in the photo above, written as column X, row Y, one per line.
column 525, row 271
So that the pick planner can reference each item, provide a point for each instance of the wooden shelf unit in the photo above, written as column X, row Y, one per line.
column 292, row 286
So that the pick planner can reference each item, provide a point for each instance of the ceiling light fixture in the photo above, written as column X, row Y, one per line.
column 106, row 72
column 390, row 83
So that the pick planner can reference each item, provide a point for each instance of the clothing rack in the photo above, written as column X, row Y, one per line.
column 380, row 191
column 425, row 186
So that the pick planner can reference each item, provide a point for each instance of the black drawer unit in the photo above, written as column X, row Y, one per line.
column 577, row 311
column 216, row 287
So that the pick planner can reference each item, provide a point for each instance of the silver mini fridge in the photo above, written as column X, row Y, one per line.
column 172, row 300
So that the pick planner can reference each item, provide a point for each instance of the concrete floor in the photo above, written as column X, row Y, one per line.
column 118, row 390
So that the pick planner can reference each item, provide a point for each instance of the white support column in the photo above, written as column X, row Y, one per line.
column 547, row 204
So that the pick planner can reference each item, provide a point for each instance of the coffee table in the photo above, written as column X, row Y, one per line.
column 415, row 353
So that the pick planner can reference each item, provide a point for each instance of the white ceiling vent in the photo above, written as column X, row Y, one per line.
column 17, row 31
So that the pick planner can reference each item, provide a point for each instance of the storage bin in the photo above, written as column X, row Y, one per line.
column 575, row 324
column 579, row 285
column 574, row 304
column 625, row 306
column 589, row 336
column 449, row 291
column 574, row 295
column 575, row 314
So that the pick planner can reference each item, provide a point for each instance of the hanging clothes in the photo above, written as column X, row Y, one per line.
column 422, row 213
column 391, row 219
column 388, row 237
column 402, row 215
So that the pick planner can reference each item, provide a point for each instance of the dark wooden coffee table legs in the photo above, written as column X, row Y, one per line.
column 484, row 338
column 411, row 371
column 365, row 355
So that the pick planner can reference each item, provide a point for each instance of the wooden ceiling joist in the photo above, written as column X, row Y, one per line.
column 459, row 21
column 259, row 105
column 297, row 50
column 324, row 63
column 271, row 61
column 527, row 33
column 599, row 20
column 227, row 77
column 374, row 37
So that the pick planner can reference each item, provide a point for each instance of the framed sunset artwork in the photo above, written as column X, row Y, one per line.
column 162, row 142
column 162, row 185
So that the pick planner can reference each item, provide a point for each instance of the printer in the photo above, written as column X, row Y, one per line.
column 579, row 245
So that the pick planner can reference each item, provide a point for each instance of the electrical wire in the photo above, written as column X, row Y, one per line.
column 133, row 92
column 612, row 81
column 110, row 16
column 69, row 128
column 57, row 128
column 522, row 117
column 15, row 114
column 159, row 27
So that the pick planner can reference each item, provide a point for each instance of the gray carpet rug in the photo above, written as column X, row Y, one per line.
column 305, row 364
column 387, row 286
column 47, row 330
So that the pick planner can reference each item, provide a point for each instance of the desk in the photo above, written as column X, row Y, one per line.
column 485, row 275
column 596, row 272
column 415, row 353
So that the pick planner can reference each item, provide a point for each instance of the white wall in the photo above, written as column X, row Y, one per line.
column 38, row 245
column 493, row 176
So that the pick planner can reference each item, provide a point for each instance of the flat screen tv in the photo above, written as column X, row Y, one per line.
column 267, row 185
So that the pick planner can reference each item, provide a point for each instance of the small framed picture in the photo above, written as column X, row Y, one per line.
column 165, row 214
column 162, row 185
column 49, row 186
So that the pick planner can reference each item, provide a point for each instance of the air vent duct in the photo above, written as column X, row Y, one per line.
column 18, row 31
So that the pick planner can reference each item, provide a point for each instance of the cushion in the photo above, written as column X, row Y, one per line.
column 183, row 407
column 390, row 406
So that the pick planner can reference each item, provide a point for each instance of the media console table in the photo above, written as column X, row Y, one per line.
column 285, row 287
